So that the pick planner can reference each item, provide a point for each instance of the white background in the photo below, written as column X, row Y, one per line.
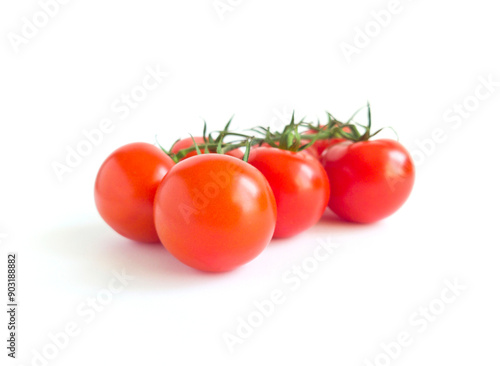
column 260, row 59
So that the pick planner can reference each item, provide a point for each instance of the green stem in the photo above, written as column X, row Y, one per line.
column 288, row 139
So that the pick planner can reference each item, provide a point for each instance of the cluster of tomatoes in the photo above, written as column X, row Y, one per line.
column 215, row 205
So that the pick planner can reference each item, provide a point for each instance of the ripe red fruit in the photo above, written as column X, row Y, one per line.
column 369, row 180
column 125, row 188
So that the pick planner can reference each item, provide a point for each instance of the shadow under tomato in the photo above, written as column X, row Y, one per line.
column 330, row 216
column 331, row 224
column 94, row 251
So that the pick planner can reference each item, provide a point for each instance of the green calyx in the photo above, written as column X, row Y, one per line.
column 295, row 136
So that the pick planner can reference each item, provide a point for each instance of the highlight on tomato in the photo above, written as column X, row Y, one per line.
column 317, row 148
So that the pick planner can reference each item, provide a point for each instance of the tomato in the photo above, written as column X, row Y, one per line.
column 369, row 180
column 188, row 142
column 214, row 212
column 125, row 188
column 300, row 186
column 319, row 146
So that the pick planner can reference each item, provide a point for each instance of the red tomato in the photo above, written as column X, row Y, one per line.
column 369, row 180
column 319, row 146
column 125, row 188
column 214, row 212
column 300, row 186
column 188, row 142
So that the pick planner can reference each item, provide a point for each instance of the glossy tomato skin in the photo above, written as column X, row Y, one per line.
column 319, row 146
column 188, row 142
column 125, row 188
column 369, row 180
column 300, row 186
column 214, row 212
